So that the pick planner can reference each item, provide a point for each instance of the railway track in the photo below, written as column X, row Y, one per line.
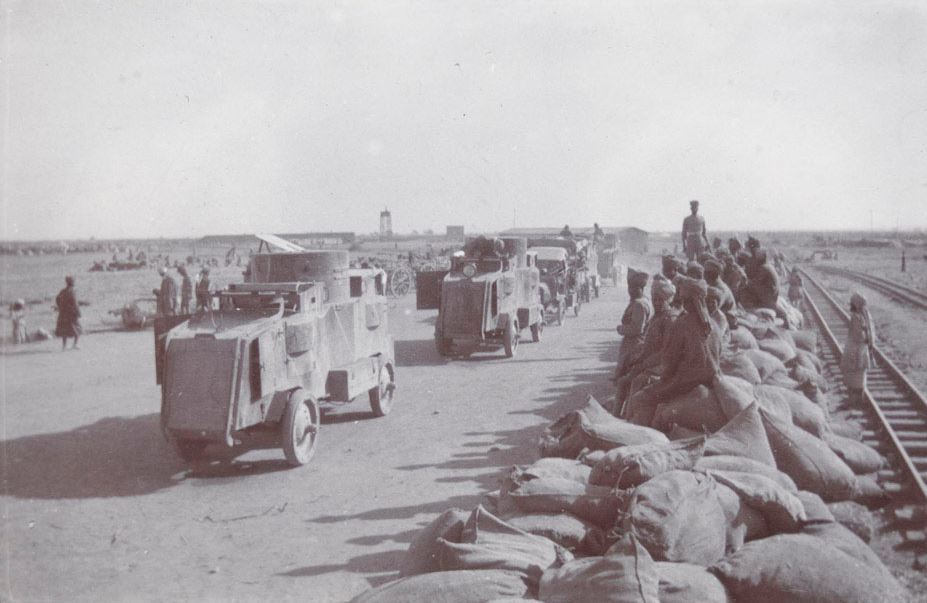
column 890, row 288
column 894, row 418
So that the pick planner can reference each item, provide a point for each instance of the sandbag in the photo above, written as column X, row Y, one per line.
column 744, row 435
column 487, row 542
column 679, row 516
column 596, row 504
column 423, row 553
column 816, row 510
column 678, row 432
column 809, row 360
column 845, row 428
column 867, row 491
column 782, row 379
column 745, row 465
column 779, row 348
column 591, row 457
column 801, row 568
column 808, row 460
column 475, row 586
column 781, row 510
column 766, row 364
column 860, row 457
column 743, row 339
column 731, row 398
column 804, row 339
column 697, row 410
column 629, row 578
column 738, row 365
column 688, row 583
column 593, row 428
column 558, row 467
column 630, row 466
column 854, row 517
column 802, row 412
column 569, row 531
column 744, row 523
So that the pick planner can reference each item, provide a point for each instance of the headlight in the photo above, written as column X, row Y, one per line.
column 469, row 270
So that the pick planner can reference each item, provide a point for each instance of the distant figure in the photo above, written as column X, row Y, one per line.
column 68, row 324
column 18, row 316
column 796, row 288
column 733, row 245
column 186, row 290
column 203, row 292
column 597, row 233
column 167, row 294
column 859, row 347
column 694, row 234
column 566, row 232
column 903, row 262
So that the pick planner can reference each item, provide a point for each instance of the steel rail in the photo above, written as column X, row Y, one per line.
column 894, row 290
column 897, row 402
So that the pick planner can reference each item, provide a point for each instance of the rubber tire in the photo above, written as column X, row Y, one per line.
column 189, row 450
column 381, row 395
column 536, row 331
column 299, row 410
column 510, row 341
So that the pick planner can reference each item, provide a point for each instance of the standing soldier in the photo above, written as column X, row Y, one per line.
column 167, row 294
column 186, row 290
column 694, row 234
column 203, row 293
column 68, row 324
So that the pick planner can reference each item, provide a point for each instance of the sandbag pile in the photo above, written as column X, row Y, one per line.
column 750, row 498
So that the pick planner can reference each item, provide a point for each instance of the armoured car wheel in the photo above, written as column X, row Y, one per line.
column 536, row 330
column 511, row 338
column 381, row 395
column 189, row 450
column 299, row 429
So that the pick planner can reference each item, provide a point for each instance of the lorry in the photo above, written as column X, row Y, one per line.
column 488, row 297
column 302, row 330
column 582, row 281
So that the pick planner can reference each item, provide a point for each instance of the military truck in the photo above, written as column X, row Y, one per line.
column 558, row 288
column 302, row 330
column 490, row 294
column 582, row 276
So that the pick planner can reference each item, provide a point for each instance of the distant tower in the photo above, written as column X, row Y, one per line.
column 386, row 224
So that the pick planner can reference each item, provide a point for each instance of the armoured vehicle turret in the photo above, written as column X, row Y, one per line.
column 488, row 297
column 302, row 330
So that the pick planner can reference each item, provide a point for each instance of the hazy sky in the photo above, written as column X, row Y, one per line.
column 163, row 117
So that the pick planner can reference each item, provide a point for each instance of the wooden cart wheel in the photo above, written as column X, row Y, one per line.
column 536, row 330
column 189, row 450
column 400, row 281
column 511, row 338
column 299, row 428
column 381, row 395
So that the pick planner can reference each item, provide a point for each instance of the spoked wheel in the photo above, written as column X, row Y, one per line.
column 381, row 395
column 536, row 330
column 400, row 282
column 299, row 429
column 511, row 338
column 189, row 450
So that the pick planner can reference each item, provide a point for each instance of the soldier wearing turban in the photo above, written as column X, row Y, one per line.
column 633, row 321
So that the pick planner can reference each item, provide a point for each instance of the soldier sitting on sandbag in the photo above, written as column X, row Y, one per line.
column 647, row 365
column 633, row 322
column 726, row 302
column 733, row 275
column 691, row 356
column 713, row 303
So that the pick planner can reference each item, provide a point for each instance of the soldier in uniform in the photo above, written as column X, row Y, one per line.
column 694, row 234
column 166, row 294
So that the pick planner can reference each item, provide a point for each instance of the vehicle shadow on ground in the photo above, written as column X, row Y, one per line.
column 418, row 352
column 116, row 456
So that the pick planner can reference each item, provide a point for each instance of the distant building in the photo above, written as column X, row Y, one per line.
column 455, row 232
column 386, row 224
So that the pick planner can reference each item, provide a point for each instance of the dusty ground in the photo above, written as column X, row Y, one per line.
column 96, row 507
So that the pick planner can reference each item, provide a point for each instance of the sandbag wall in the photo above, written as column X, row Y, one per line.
column 748, row 490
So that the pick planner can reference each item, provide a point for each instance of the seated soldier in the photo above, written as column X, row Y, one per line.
column 634, row 321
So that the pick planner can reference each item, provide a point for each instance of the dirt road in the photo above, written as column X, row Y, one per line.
column 96, row 507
